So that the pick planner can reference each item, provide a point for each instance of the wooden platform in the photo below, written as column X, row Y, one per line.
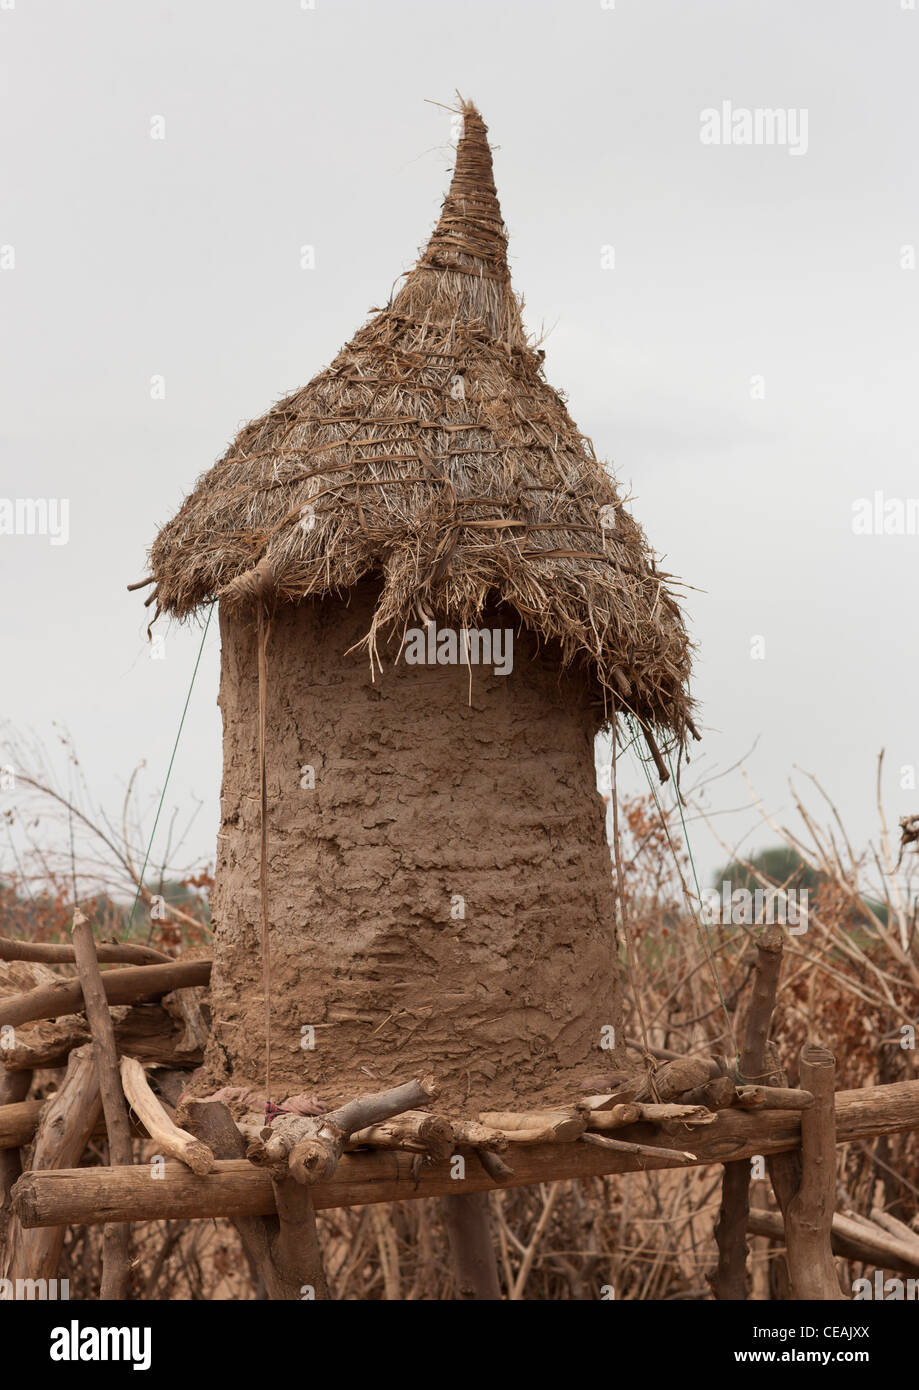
column 87, row 1196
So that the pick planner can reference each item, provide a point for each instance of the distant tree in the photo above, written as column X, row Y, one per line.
column 781, row 865
column 785, row 868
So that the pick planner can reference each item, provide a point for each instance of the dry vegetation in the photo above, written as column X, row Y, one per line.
column 851, row 982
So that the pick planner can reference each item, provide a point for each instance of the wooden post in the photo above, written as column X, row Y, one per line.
column 784, row 1171
column 14, row 1087
column 730, row 1278
column 116, row 1258
column 283, row 1250
column 809, row 1220
column 66, row 1123
column 467, row 1217
column 295, row 1250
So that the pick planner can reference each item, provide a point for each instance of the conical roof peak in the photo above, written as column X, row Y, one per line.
column 462, row 272
column 470, row 235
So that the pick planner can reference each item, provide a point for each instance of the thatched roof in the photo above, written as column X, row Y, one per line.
column 433, row 454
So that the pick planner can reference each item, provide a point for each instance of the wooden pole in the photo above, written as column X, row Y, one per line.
column 116, row 1256
column 64, row 1129
column 123, row 952
column 91, row 1195
column 852, row 1240
column 120, row 986
column 14, row 1087
column 285, row 1267
column 784, row 1169
column 899, row 1229
column 809, row 1219
column 295, row 1251
column 730, row 1279
column 19, row 1119
column 467, row 1217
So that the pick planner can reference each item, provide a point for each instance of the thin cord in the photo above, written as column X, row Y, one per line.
column 263, row 631
column 166, row 783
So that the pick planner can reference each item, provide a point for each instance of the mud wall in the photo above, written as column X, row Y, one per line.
column 440, row 890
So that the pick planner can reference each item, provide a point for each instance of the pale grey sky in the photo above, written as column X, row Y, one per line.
column 137, row 257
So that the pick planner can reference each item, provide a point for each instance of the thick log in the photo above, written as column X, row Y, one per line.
column 211, row 1122
column 809, row 1219
column 66, row 1124
column 560, row 1126
column 162, row 1130
column 729, row 1280
column 852, row 1240
column 14, row 1087
column 295, row 1251
column 414, row 1130
column 467, row 1217
column 90, row 1195
column 784, row 1168
column 121, row 987
column 144, row 1031
column 18, row 1122
column 122, row 952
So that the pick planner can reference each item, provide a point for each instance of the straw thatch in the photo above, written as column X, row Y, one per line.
column 433, row 454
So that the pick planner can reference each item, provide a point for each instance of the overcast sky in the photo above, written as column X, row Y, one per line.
column 735, row 325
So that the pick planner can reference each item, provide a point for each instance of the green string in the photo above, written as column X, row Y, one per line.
column 168, row 773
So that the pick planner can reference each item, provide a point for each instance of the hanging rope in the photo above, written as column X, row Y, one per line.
column 263, row 630
column 159, row 808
